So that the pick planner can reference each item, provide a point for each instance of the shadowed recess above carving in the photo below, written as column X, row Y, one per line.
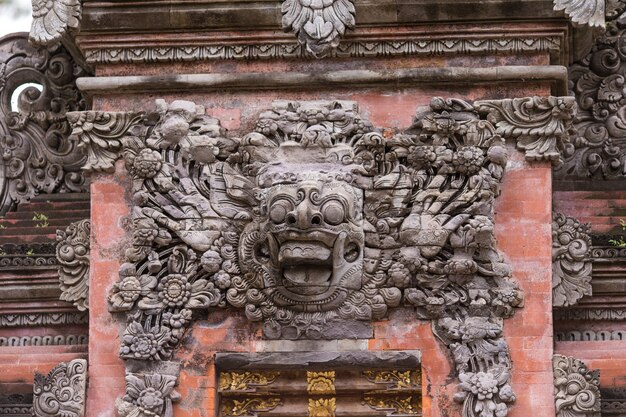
column 571, row 263
column 72, row 254
column 62, row 391
column 599, row 148
column 315, row 225
column 36, row 90
column 576, row 392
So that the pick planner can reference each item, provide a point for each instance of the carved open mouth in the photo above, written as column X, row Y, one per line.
column 307, row 267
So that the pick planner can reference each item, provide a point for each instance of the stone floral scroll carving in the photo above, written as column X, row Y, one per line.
column 52, row 19
column 318, row 24
column 586, row 12
column 72, row 254
column 62, row 391
column 315, row 225
column 148, row 395
column 37, row 156
column 576, row 388
column 542, row 126
column 599, row 148
column 571, row 265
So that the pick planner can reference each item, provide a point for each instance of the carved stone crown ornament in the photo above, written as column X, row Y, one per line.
column 315, row 225
column 36, row 90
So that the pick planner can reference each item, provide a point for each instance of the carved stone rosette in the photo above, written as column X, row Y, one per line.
column 576, row 389
column 318, row 24
column 62, row 391
column 597, row 81
column 571, row 264
column 36, row 154
column 72, row 254
column 316, row 225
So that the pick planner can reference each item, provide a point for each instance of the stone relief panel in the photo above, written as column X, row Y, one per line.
column 315, row 224
column 36, row 90
column 599, row 148
column 72, row 253
column 62, row 391
column 571, row 261
column 576, row 388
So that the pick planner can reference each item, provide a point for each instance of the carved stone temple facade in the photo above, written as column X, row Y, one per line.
column 314, row 208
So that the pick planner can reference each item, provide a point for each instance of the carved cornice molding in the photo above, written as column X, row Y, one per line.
column 37, row 157
column 446, row 45
column 601, row 314
column 571, row 264
column 53, row 20
column 576, row 388
column 42, row 319
column 62, row 392
column 590, row 335
column 58, row 340
column 72, row 254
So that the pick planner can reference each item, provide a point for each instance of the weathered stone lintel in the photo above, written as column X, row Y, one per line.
column 318, row 359
column 553, row 74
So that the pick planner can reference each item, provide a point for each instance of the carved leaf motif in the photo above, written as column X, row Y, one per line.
column 62, row 391
column 99, row 134
column 576, row 388
column 73, row 256
column 53, row 19
column 586, row 12
column 318, row 24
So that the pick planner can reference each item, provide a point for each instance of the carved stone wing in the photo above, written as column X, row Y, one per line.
column 52, row 19
column 318, row 24
column 590, row 12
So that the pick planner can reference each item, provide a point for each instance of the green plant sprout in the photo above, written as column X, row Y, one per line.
column 42, row 219
column 30, row 252
column 620, row 243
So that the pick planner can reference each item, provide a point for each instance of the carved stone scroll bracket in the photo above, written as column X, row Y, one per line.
column 571, row 264
column 37, row 157
column 62, row 391
column 52, row 20
column 585, row 12
column 99, row 135
column 318, row 25
column 576, row 388
column 72, row 253
column 542, row 126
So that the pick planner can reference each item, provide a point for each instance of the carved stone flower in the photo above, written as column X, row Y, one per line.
column 222, row 280
column 399, row 275
column 129, row 288
column 137, row 343
column 148, row 395
column 421, row 157
column 174, row 290
column 211, row 261
column 147, row 163
column 468, row 160
column 177, row 320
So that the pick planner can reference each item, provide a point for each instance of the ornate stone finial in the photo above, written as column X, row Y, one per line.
column 62, row 391
column 571, row 266
column 37, row 156
column 577, row 392
column 318, row 24
column 584, row 12
column 72, row 254
column 542, row 126
column 52, row 19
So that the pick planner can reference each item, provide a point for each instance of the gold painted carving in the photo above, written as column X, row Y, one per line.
column 322, row 407
column 395, row 379
column 241, row 381
column 320, row 383
column 401, row 404
column 248, row 406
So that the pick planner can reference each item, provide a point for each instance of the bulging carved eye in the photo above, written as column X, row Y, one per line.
column 334, row 213
column 279, row 210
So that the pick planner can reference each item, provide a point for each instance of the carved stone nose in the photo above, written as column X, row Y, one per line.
column 304, row 217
